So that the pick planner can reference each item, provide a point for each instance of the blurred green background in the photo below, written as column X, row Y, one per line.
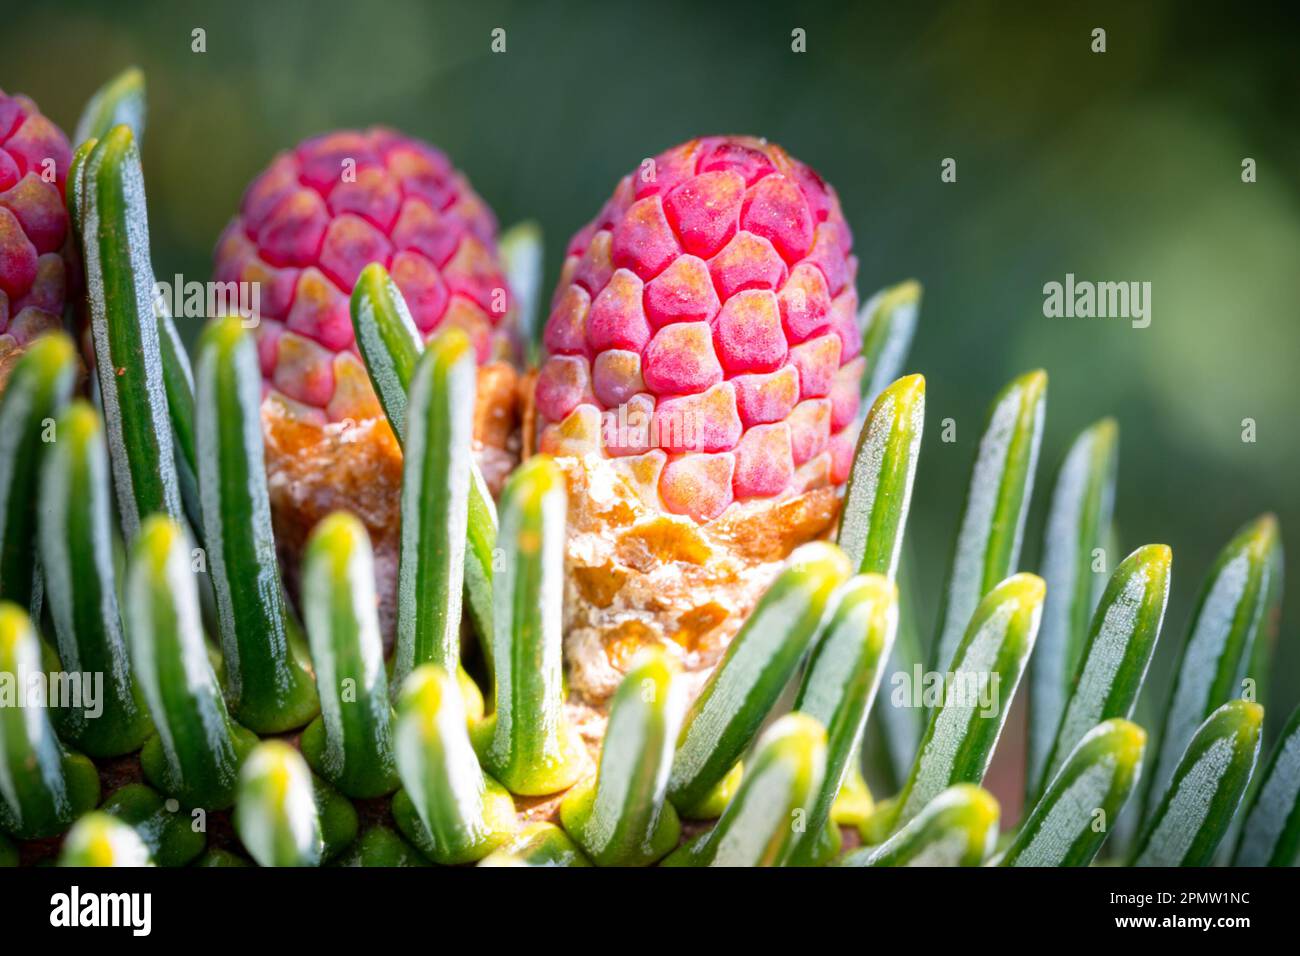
column 1117, row 166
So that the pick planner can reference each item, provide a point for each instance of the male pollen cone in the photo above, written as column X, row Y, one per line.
column 306, row 227
column 701, row 391
column 35, row 238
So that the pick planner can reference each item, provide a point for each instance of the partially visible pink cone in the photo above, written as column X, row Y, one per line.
column 35, row 244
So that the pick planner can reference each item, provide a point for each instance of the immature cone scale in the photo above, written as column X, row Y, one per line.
column 701, row 387
column 34, row 235
column 306, row 228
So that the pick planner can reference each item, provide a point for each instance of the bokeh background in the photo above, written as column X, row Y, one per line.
column 1117, row 166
